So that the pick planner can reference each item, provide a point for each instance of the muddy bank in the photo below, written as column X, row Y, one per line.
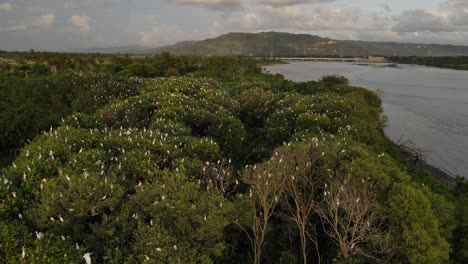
column 441, row 175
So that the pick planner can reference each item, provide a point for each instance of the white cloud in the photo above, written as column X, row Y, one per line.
column 82, row 22
column 299, row 18
column 212, row 4
column 277, row 3
column 216, row 24
column 46, row 20
column 164, row 34
column 6, row 7
column 17, row 28
column 450, row 16
column 250, row 21
column 91, row 3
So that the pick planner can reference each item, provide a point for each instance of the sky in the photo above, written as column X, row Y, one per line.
column 64, row 25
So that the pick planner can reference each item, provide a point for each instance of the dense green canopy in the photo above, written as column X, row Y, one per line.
column 185, row 169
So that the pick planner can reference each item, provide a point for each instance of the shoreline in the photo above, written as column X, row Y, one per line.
column 405, row 154
column 439, row 174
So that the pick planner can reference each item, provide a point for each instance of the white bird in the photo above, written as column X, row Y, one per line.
column 87, row 257
column 77, row 247
column 23, row 253
column 20, row 216
column 158, row 249
column 39, row 235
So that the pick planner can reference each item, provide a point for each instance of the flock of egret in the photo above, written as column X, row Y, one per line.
column 155, row 123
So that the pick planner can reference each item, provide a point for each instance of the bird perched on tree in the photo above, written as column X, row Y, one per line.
column 87, row 257
column 39, row 235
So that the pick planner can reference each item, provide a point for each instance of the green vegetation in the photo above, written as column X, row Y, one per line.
column 456, row 63
column 220, row 164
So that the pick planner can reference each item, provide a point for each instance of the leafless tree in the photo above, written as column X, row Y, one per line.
column 350, row 216
column 300, row 203
column 266, row 189
column 219, row 175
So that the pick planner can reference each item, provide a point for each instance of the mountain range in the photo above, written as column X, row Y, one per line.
column 277, row 44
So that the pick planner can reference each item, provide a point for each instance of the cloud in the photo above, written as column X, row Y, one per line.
column 450, row 16
column 298, row 18
column 17, row 28
column 386, row 8
column 82, row 22
column 90, row 3
column 212, row 4
column 6, row 7
column 164, row 34
column 46, row 20
column 216, row 24
column 421, row 20
column 277, row 3
column 250, row 21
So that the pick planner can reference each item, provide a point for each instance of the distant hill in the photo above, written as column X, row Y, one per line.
column 285, row 44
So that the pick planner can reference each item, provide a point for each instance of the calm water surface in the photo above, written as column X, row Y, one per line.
column 425, row 106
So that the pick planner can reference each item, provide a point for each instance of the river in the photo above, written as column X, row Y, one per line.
column 427, row 107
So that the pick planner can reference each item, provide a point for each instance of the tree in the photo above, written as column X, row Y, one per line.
column 266, row 189
column 333, row 80
column 414, row 227
column 300, row 198
column 179, row 221
column 351, row 217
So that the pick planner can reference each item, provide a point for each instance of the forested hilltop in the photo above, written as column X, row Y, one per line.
column 186, row 159
column 279, row 44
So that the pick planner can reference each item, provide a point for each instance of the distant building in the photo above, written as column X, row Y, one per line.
column 376, row 59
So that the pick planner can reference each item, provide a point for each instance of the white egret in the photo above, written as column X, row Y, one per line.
column 87, row 257
column 39, row 235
